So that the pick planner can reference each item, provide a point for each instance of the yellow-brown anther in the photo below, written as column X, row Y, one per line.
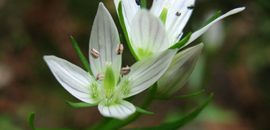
column 100, row 76
column 119, row 49
column 94, row 53
column 125, row 70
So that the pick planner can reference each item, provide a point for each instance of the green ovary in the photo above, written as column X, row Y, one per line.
column 109, row 81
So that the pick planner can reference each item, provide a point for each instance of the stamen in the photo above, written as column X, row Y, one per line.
column 191, row 6
column 119, row 49
column 100, row 76
column 138, row 2
column 178, row 13
column 94, row 53
column 125, row 70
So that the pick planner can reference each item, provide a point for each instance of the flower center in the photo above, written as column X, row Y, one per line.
column 109, row 81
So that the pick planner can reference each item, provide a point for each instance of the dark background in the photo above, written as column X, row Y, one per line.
column 235, row 65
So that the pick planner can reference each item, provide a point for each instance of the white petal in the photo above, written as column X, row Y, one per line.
column 175, row 24
column 75, row 80
column 104, row 38
column 129, row 9
column 179, row 71
column 119, row 110
column 146, row 72
column 198, row 33
column 148, row 34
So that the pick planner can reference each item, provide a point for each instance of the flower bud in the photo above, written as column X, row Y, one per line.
column 119, row 49
column 94, row 53
column 100, row 76
column 125, row 70
column 178, row 72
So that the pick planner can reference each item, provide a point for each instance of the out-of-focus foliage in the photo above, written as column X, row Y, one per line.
column 237, row 71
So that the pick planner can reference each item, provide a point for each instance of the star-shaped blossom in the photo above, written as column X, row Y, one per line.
column 165, row 20
column 109, row 84
column 175, row 14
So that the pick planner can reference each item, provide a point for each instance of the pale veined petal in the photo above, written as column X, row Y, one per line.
column 75, row 80
column 198, row 33
column 146, row 72
column 119, row 110
column 148, row 34
column 129, row 9
column 104, row 39
column 175, row 24
column 179, row 71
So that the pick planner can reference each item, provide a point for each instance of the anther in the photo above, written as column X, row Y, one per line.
column 125, row 70
column 119, row 49
column 191, row 6
column 138, row 2
column 178, row 13
column 94, row 53
column 100, row 76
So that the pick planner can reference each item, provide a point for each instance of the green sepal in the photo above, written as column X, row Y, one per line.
column 211, row 19
column 182, row 42
column 80, row 104
column 122, row 23
column 83, row 59
column 143, row 3
column 181, row 122
column 30, row 120
column 140, row 110
column 182, row 96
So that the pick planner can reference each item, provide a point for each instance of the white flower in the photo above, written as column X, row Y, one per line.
column 108, row 87
column 178, row 13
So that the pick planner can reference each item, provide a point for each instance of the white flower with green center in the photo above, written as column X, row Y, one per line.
column 174, row 15
column 164, row 22
column 107, row 87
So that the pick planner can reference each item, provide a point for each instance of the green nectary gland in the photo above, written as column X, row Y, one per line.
column 143, row 53
column 94, row 90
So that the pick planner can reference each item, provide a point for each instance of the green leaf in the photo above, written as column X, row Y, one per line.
column 80, row 104
column 182, row 96
column 143, row 3
column 83, row 59
column 212, row 19
column 122, row 23
column 140, row 110
column 182, row 42
column 30, row 120
column 181, row 122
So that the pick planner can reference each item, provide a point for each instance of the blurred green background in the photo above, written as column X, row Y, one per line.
column 235, row 65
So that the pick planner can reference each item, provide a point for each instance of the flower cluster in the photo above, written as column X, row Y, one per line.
column 151, row 35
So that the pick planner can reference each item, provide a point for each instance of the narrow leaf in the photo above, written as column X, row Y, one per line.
column 140, row 110
column 181, row 122
column 212, row 19
column 182, row 42
column 30, row 120
column 121, row 38
column 183, row 96
column 122, row 23
column 83, row 59
column 143, row 3
column 80, row 104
